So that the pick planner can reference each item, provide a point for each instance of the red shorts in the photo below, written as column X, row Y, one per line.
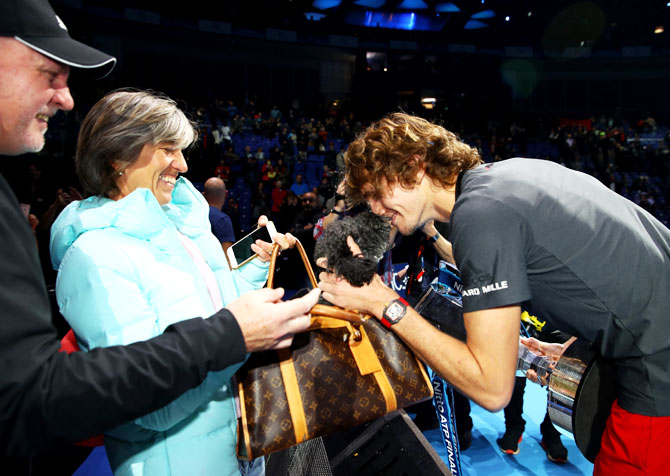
column 634, row 444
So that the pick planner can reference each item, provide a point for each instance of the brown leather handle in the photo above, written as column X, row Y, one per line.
column 318, row 309
column 339, row 313
column 305, row 260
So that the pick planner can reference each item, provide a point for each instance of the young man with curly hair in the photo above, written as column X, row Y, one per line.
column 525, row 231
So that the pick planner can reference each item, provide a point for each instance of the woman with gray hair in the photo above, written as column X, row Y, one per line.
column 137, row 256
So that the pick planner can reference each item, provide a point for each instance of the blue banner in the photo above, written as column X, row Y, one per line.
column 443, row 398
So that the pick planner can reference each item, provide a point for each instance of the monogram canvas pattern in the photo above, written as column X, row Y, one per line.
column 333, row 393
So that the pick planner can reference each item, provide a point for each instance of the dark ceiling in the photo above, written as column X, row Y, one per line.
column 539, row 23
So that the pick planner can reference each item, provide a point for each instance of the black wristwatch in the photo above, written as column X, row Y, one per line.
column 393, row 312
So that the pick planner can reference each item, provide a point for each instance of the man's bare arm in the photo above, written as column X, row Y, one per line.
column 482, row 368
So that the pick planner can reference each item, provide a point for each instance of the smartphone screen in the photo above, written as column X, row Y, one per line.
column 240, row 252
column 25, row 208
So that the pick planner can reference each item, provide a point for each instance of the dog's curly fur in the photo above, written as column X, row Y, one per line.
column 371, row 234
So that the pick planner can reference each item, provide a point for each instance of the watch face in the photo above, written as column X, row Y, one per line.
column 395, row 311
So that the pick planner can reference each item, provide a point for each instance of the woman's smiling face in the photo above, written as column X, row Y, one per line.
column 156, row 169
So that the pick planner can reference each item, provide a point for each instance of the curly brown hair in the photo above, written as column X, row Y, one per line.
column 396, row 148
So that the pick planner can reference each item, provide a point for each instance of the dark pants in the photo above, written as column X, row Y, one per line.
column 514, row 409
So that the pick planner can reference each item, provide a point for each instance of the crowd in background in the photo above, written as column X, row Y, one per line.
column 283, row 160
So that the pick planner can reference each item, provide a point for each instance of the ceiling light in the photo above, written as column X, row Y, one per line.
column 659, row 29
column 474, row 25
column 370, row 3
column 325, row 4
column 413, row 5
column 428, row 103
column 483, row 15
column 315, row 16
column 447, row 7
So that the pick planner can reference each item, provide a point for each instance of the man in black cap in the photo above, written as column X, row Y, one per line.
column 48, row 397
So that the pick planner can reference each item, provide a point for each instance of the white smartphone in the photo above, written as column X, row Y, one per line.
column 240, row 252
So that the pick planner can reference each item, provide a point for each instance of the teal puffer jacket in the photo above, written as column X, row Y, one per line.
column 123, row 277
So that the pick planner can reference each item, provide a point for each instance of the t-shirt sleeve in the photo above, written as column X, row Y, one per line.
column 489, row 241
column 222, row 228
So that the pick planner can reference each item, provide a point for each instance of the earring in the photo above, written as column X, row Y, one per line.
column 121, row 173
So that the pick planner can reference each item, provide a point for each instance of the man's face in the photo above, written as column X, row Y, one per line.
column 32, row 89
column 308, row 201
column 404, row 207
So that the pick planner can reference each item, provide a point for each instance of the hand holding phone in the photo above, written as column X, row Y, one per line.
column 240, row 252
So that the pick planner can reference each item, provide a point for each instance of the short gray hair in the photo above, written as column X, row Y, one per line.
column 117, row 128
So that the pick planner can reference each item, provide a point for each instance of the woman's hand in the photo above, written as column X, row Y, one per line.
column 264, row 249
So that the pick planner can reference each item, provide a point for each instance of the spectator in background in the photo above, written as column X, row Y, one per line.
column 303, row 227
column 268, row 175
column 339, row 160
column 320, row 199
column 222, row 170
column 222, row 227
column 288, row 212
column 307, row 216
column 225, row 136
column 325, row 190
column 260, row 155
column 299, row 188
column 275, row 113
column 331, row 156
column 279, row 194
column 251, row 171
column 247, row 154
column 260, row 202
column 283, row 172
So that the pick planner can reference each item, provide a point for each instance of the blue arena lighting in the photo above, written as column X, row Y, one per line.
column 475, row 25
column 412, row 5
column 370, row 3
column 447, row 7
column 325, row 4
column 315, row 16
column 395, row 20
column 483, row 15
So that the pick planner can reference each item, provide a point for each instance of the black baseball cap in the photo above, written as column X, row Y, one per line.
column 35, row 24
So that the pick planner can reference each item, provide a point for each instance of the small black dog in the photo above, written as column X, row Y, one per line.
column 371, row 234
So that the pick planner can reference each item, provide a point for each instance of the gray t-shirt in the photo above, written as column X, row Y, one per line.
column 591, row 262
